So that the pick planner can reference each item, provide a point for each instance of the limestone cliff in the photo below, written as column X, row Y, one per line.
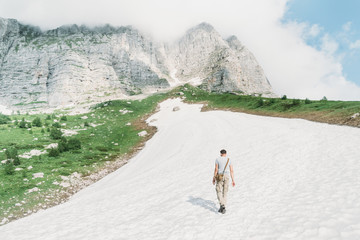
column 72, row 64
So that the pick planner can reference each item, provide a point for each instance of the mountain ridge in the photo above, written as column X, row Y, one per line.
column 73, row 64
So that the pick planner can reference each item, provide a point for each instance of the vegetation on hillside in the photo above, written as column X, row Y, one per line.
column 334, row 112
column 106, row 133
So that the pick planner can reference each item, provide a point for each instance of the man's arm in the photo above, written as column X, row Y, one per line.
column 215, row 172
column 232, row 175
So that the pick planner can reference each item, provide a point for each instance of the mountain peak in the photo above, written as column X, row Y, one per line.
column 205, row 26
column 202, row 26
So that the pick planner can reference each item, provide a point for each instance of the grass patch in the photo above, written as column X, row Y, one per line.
column 105, row 137
column 334, row 112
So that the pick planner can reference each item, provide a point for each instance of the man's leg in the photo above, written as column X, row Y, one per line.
column 219, row 192
column 225, row 189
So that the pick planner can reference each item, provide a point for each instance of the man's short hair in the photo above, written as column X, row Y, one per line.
column 223, row 151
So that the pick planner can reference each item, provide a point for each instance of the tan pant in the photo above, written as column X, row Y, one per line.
column 222, row 188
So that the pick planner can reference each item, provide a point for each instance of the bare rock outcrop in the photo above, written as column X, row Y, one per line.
column 72, row 64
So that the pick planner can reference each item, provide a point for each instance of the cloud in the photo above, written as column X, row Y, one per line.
column 329, row 46
column 355, row 45
column 314, row 30
column 293, row 67
column 347, row 27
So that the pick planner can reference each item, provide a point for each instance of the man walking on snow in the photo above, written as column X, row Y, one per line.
column 223, row 166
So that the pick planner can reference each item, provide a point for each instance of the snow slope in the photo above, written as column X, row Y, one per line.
column 295, row 180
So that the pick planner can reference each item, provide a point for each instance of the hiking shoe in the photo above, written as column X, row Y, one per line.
column 221, row 208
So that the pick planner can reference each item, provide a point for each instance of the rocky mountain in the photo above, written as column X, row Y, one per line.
column 74, row 64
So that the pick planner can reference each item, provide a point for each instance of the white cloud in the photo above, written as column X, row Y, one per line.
column 293, row 67
column 347, row 27
column 314, row 30
column 329, row 45
column 355, row 45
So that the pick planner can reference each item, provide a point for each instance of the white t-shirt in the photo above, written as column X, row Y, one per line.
column 221, row 162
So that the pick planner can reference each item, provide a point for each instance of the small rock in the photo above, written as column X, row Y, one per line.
column 64, row 178
column 18, row 204
column 355, row 115
column 76, row 175
column 38, row 175
column 142, row 133
column 65, row 184
column 29, row 167
column 35, row 189
column 85, row 117
column 5, row 220
column 52, row 145
column 176, row 109
column 128, row 124
column 18, row 169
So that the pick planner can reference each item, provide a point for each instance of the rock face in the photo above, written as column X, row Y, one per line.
column 221, row 65
column 72, row 64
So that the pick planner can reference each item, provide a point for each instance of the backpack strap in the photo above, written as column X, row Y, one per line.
column 226, row 165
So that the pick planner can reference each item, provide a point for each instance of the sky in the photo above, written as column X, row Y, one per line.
column 308, row 49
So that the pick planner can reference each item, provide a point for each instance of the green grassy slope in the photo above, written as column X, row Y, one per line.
column 108, row 136
column 334, row 112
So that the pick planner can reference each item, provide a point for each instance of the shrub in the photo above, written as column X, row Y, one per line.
column 259, row 103
column 284, row 97
column 12, row 153
column 270, row 102
column 296, row 102
column 63, row 118
column 9, row 168
column 22, row 123
column 48, row 129
column 86, row 124
column 54, row 152
column 29, row 125
column 56, row 125
column 4, row 119
column 37, row 122
column 74, row 144
column 324, row 99
column 42, row 131
column 16, row 122
column 55, row 133
column 48, row 117
column 24, row 174
column 63, row 145
column 307, row 101
column 286, row 105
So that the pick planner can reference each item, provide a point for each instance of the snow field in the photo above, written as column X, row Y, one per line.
column 295, row 179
